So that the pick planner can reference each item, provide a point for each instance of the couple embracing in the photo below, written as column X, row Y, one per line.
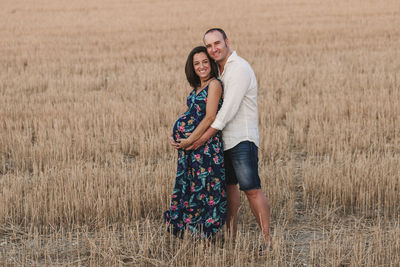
column 217, row 142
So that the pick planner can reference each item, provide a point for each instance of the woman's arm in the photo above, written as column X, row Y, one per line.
column 214, row 95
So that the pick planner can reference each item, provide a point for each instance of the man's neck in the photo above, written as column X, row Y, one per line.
column 221, row 64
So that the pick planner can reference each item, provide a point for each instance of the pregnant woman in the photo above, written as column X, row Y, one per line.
column 198, row 201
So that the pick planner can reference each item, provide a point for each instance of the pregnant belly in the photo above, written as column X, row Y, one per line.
column 184, row 124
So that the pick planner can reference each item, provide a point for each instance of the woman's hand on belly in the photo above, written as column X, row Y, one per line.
column 173, row 143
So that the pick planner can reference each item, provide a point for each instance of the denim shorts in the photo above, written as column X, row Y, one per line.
column 241, row 166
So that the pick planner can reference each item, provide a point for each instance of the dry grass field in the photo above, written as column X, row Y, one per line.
column 89, row 91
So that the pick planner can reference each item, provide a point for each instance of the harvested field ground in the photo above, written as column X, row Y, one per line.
column 89, row 92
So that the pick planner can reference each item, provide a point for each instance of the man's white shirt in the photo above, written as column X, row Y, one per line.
column 238, row 116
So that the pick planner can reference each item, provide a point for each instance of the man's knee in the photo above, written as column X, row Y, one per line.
column 253, row 194
column 233, row 196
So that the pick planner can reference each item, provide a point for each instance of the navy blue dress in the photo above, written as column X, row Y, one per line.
column 198, row 200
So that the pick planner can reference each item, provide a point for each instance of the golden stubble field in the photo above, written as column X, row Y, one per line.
column 88, row 95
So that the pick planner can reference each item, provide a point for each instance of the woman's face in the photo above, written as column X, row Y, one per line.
column 201, row 65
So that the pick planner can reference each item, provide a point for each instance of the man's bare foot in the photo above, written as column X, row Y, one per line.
column 265, row 247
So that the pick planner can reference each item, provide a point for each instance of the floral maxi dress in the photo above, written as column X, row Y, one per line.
column 198, row 199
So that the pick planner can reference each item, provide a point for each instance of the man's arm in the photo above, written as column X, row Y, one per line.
column 204, row 138
column 236, row 84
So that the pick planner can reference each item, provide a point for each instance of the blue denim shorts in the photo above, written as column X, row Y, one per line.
column 241, row 166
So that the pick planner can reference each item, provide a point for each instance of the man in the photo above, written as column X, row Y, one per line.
column 238, row 121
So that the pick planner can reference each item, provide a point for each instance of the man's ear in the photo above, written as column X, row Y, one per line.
column 227, row 42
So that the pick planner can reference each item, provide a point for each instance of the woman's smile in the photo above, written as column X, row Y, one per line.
column 201, row 65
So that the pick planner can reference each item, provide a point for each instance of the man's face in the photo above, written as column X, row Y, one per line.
column 216, row 46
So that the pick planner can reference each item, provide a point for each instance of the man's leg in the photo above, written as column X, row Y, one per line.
column 233, row 198
column 259, row 206
column 245, row 164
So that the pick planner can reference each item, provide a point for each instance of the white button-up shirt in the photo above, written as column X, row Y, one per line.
column 238, row 116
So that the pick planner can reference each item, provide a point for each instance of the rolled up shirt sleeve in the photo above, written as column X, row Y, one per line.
column 236, row 84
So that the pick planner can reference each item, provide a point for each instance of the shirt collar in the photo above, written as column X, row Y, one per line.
column 231, row 58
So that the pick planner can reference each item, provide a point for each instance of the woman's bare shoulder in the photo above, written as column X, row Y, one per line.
column 214, row 83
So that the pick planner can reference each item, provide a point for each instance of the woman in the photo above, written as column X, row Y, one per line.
column 198, row 200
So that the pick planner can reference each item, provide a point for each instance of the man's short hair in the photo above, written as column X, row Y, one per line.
column 218, row 30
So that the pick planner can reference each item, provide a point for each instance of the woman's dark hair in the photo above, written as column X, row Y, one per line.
column 191, row 75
